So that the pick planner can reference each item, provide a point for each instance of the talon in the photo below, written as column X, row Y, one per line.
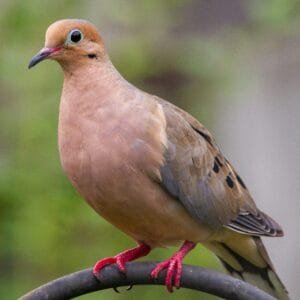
column 121, row 259
column 178, row 276
column 159, row 268
column 173, row 266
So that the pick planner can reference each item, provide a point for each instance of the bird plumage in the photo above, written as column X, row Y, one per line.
column 148, row 167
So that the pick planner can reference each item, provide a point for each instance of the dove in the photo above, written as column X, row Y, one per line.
column 150, row 168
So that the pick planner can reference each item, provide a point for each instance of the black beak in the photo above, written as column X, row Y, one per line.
column 40, row 56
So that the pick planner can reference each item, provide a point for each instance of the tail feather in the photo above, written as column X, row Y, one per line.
column 248, row 260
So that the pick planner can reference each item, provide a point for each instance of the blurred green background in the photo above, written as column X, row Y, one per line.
column 193, row 53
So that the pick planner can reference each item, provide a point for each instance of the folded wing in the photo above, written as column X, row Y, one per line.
column 197, row 174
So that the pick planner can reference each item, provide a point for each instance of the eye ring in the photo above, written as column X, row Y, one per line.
column 74, row 36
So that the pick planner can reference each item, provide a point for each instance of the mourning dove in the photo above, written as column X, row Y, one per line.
column 150, row 168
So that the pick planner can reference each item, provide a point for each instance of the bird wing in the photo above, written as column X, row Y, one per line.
column 197, row 174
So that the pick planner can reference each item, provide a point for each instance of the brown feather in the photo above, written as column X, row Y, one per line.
column 147, row 166
column 198, row 161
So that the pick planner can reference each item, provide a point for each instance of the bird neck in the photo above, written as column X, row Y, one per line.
column 101, row 69
column 94, row 84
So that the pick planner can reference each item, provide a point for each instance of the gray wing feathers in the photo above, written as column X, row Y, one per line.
column 197, row 174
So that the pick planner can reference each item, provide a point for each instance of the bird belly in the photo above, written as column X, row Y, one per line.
column 113, row 183
column 147, row 214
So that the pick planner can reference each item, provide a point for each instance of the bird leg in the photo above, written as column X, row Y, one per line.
column 173, row 266
column 121, row 258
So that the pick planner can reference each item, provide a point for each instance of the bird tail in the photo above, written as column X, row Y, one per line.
column 246, row 258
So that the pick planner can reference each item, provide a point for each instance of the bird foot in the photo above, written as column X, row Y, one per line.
column 173, row 266
column 121, row 259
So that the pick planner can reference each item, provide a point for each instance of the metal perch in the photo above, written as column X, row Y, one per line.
column 197, row 278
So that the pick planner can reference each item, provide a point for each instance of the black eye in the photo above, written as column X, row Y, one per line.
column 75, row 36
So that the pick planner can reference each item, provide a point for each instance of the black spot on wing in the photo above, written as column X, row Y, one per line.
column 204, row 135
column 218, row 161
column 241, row 182
column 229, row 181
column 216, row 168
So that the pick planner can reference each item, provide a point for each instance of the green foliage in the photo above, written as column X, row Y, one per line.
column 46, row 229
column 276, row 13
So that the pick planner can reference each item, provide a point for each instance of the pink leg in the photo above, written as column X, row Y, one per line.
column 121, row 258
column 173, row 266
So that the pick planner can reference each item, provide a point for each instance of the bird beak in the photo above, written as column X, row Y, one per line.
column 43, row 54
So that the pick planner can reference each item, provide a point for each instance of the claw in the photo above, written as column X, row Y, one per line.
column 172, row 272
column 121, row 259
column 173, row 266
column 127, row 289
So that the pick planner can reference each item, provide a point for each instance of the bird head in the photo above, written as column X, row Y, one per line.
column 71, row 42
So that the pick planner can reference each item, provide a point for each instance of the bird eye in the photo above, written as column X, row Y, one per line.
column 75, row 36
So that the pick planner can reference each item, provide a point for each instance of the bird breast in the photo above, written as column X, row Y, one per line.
column 113, row 154
column 104, row 149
